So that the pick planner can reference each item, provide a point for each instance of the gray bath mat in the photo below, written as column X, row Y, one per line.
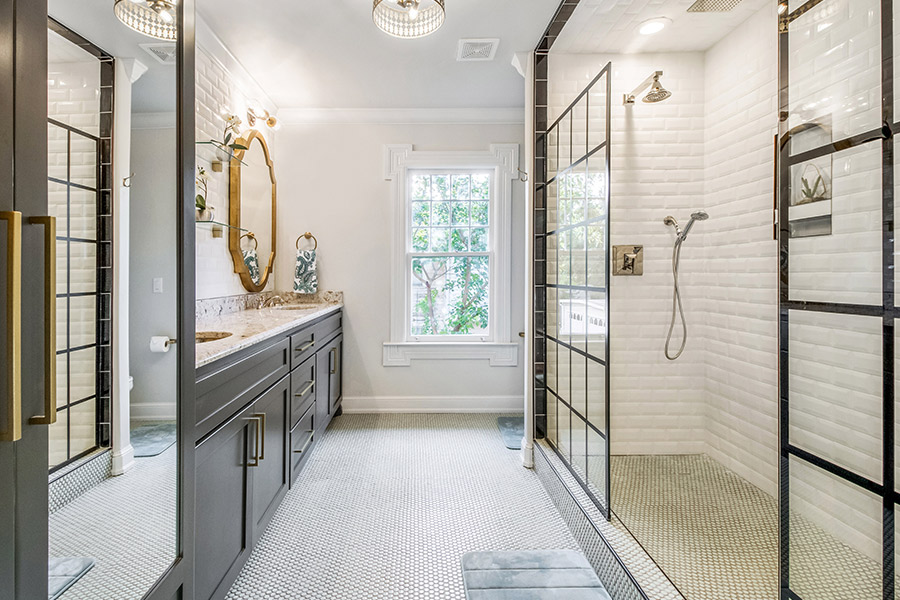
column 530, row 575
column 513, row 430
column 64, row 572
column 150, row 440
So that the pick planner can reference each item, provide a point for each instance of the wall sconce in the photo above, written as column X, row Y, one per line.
column 254, row 114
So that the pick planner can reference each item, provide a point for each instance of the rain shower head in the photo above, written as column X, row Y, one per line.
column 700, row 215
column 657, row 92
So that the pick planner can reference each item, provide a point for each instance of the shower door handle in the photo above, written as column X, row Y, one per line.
column 49, row 416
column 13, row 431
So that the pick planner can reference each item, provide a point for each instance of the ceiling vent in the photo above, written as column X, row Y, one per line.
column 713, row 5
column 477, row 49
column 165, row 53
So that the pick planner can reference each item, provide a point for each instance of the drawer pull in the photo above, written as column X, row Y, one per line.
column 262, row 427
column 332, row 361
column 305, row 346
column 253, row 461
column 309, row 386
column 306, row 445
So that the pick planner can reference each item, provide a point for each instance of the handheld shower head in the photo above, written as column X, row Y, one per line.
column 700, row 215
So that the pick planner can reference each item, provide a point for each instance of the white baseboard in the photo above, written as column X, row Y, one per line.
column 153, row 411
column 122, row 461
column 433, row 404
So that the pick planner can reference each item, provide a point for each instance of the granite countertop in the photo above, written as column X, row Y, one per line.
column 249, row 327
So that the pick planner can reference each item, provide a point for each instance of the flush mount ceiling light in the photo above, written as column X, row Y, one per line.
column 651, row 26
column 155, row 18
column 408, row 18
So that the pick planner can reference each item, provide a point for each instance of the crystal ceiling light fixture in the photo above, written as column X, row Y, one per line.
column 154, row 18
column 408, row 18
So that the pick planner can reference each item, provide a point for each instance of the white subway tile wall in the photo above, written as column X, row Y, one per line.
column 74, row 99
column 711, row 146
column 219, row 94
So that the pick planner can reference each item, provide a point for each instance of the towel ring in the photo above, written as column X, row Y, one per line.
column 307, row 235
column 250, row 236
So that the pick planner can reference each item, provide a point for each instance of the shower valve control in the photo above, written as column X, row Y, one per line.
column 628, row 260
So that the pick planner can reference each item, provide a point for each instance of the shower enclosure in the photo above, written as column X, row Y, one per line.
column 79, row 134
column 571, row 229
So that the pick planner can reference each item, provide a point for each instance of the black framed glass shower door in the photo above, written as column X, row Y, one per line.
column 571, row 271
column 837, row 311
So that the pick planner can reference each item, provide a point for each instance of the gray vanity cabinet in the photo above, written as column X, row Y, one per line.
column 222, row 529
column 272, row 470
column 286, row 390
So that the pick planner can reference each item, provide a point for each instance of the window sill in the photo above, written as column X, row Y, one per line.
column 401, row 354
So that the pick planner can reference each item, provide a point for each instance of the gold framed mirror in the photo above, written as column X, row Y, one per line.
column 251, row 214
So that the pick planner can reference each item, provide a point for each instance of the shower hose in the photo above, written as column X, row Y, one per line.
column 677, row 309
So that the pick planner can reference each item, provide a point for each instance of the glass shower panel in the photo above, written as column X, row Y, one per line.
column 836, row 389
column 576, row 188
column 835, row 243
column 835, row 69
column 835, row 536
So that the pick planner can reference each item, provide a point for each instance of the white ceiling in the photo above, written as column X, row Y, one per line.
column 610, row 26
column 95, row 21
column 329, row 54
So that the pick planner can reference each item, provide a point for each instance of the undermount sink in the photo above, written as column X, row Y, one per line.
column 211, row 336
column 297, row 306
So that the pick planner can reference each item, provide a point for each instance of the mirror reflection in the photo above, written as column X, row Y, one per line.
column 112, row 187
column 252, row 206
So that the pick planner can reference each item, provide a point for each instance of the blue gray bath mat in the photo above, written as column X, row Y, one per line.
column 530, row 575
column 150, row 440
column 64, row 572
column 513, row 430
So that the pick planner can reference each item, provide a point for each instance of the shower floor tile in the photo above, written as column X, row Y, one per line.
column 127, row 524
column 716, row 535
column 388, row 504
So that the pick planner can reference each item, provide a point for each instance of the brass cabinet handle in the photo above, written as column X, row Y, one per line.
column 262, row 428
column 332, row 364
column 49, row 416
column 254, row 460
column 309, row 386
column 306, row 346
column 13, row 431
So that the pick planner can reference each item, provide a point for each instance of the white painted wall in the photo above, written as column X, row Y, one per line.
column 332, row 184
column 153, row 255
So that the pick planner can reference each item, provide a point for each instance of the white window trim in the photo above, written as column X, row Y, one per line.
column 503, row 161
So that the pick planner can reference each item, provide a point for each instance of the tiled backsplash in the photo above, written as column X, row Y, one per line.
column 218, row 94
column 210, row 307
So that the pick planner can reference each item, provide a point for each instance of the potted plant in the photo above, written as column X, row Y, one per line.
column 204, row 212
column 226, row 148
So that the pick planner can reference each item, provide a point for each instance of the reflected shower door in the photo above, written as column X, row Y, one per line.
column 571, row 226
column 836, row 300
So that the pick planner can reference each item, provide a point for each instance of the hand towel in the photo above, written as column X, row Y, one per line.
column 305, row 279
column 251, row 259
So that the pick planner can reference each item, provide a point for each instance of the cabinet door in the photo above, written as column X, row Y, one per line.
column 222, row 500
column 335, row 358
column 323, row 396
column 270, row 475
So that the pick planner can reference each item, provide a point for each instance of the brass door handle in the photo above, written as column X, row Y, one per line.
column 306, row 346
column 309, row 385
column 253, row 461
column 13, row 429
column 332, row 365
column 49, row 416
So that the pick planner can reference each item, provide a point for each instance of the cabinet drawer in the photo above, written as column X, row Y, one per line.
column 301, row 441
column 230, row 386
column 305, row 342
column 303, row 389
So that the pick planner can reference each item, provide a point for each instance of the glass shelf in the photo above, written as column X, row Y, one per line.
column 220, row 224
column 218, row 147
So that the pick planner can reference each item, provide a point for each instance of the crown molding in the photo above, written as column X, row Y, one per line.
column 403, row 116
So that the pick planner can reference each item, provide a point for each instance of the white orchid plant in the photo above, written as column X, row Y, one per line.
column 202, row 182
